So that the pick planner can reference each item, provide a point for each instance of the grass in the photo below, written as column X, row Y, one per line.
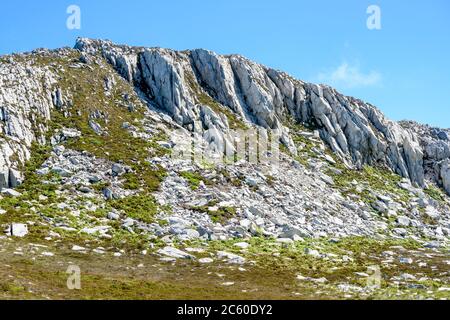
column 194, row 179
column 117, row 144
column 435, row 193
column 370, row 179
column 220, row 215
column 140, row 207
column 84, row 87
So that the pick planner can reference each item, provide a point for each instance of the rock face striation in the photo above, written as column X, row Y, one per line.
column 202, row 90
column 357, row 131
column 25, row 103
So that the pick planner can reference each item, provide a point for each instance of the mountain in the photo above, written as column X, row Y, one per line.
column 97, row 144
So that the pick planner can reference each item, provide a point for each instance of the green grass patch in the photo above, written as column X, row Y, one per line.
column 141, row 207
column 194, row 179
column 221, row 215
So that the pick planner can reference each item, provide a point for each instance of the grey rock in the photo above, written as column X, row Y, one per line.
column 291, row 232
column 118, row 169
column 380, row 206
column 11, row 192
column 113, row 216
column 445, row 175
column 17, row 230
column 15, row 178
column 205, row 260
column 403, row 221
column 230, row 257
column 172, row 252
column 108, row 194
column 405, row 260
column 61, row 171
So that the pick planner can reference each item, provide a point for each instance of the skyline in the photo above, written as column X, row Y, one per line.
column 403, row 68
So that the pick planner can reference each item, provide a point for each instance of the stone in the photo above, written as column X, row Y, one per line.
column 78, row 248
column 191, row 233
column 165, row 144
column 61, row 171
column 230, row 257
column 11, row 192
column 205, row 260
column 432, row 245
column 400, row 231
column 403, row 221
column 96, row 127
column 113, row 216
column 108, row 193
column 443, row 135
column 94, row 179
column 327, row 179
column 17, row 230
column 312, row 252
column 432, row 212
column 96, row 230
column 242, row 245
column 252, row 182
column 15, row 178
column 380, row 206
column 405, row 260
column 257, row 212
column 245, row 223
column 172, row 252
column 117, row 169
column 85, row 189
column 290, row 232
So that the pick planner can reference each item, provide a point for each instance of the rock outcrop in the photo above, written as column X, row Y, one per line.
column 192, row 87
column 435, row 144
column 26, row 98
column 356, row 131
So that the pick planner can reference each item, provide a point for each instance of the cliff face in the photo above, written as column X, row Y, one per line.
column 26, row 99
column 182, row 84
column 357, row 131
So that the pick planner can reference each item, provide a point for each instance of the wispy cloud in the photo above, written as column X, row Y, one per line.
column 349, row 76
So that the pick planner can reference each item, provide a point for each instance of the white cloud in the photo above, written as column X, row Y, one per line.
column 349, row 76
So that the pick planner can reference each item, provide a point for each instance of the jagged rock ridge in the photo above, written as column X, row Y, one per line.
column 176, row 83
column 357, row 131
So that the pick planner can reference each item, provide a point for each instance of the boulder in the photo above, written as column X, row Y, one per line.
column 172, row 252
column 17, row 230
column 445, row 175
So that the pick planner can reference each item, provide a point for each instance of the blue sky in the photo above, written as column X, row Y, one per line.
column 404, row 68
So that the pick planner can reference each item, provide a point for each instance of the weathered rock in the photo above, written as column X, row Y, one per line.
column 117, row 169
column 175, row 253
column 403, row 221
column 230, row 257
column 260, row 93
column 17, row 230
column 445, row 175
column 11, row 192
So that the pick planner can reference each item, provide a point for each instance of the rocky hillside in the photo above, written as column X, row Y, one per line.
column 90, row 158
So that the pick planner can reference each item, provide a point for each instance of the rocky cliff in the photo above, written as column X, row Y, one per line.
column 174, row 81
column 249, row 176
column 104, row 119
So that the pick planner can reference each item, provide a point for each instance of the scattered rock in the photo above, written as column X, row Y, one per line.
column 17, row 230
column 172, row 252
column 205, row 260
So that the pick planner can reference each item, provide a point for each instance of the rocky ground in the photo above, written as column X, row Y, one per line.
column 351, row 205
